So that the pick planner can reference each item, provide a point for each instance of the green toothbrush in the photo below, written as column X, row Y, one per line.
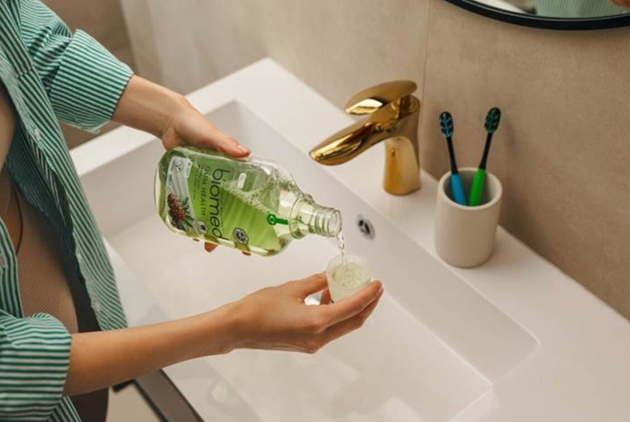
column 492, row 123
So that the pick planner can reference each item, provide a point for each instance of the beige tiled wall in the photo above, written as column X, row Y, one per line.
column 103, row 19
column 336, row 46
column 563, row 144
column 563, row 148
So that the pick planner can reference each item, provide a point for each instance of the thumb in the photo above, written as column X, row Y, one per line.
column 197, row 131
column 221, row 142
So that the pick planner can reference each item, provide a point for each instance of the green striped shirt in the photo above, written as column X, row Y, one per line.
column 51, row 75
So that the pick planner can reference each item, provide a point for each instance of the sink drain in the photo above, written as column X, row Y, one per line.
column 366, row 227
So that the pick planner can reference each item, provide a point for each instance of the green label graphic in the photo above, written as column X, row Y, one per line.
column 273, row 220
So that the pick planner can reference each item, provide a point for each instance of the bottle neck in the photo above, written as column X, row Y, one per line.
column 311, row 218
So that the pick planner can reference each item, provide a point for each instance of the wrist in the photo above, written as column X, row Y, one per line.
column 172, row 106
column 149, row 107
column 216, row 332
column 168, row 106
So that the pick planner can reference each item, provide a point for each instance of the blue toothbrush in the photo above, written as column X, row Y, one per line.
column 446, row 124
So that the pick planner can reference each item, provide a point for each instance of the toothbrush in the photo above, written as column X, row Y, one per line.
column 446, row 124
column 492, row 123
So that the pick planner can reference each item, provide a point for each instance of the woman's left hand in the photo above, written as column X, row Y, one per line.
column 169, row 116
column 187, row 126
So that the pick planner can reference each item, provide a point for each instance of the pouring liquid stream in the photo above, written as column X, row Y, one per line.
column 341, row 244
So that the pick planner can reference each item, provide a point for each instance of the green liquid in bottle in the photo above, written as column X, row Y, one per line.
column 251, row 205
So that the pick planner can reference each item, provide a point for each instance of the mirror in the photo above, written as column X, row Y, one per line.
column 554, row 14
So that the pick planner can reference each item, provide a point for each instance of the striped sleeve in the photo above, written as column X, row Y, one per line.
column 83, row 79
column 34, row 360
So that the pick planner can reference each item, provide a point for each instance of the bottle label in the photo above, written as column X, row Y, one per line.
column 240, row 236
column 195, row 197
column 241, row 180
column 223, row 201
column 180, row 211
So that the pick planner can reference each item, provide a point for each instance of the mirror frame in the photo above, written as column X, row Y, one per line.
column 567, row 24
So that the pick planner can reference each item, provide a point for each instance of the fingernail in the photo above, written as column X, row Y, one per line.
column 243, row 149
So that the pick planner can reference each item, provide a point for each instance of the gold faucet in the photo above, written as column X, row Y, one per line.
column 393, row 118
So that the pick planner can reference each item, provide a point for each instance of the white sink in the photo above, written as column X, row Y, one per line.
column 437, row 346
column 433, row 346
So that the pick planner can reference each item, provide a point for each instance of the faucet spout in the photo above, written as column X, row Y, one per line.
column 395, row 122
column 347, row 143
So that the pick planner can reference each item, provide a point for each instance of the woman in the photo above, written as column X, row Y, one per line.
column 63, row 335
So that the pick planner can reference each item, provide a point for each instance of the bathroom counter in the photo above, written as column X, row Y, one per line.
column 578, row 369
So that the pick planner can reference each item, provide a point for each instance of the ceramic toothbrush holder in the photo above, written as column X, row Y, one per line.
column 464, row 236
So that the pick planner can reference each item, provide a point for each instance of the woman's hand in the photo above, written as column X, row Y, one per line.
column 276, row 318
column 187, row 126
column 170, row 117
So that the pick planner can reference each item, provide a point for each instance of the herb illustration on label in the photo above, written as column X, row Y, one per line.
column 179, row 212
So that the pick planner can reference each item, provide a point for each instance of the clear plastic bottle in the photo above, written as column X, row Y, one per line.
column 247, row 204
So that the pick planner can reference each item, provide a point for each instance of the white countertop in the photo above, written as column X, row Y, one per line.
column 580, row 370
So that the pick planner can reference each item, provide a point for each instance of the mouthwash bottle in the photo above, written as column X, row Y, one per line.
column 247, row 204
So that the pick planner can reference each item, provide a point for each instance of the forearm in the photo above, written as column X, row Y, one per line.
column 102, row 359
column 147, row 106
column 272, row 318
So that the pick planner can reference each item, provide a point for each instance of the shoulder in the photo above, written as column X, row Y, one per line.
column 35, row 21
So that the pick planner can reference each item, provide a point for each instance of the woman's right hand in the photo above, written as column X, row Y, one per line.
column 274, row 318
column 277, row 318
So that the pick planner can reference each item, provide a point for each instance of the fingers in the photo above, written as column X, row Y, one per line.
column 347, row 308
column 325, row 299
column 190, row 127
column 209, row 247
column 198, row 131
column 308, row 286
column 350, row 324
column 226, row 144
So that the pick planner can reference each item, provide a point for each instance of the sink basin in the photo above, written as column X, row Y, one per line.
column 433, row 346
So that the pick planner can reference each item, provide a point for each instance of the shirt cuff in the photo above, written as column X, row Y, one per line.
column 35, row 357
column 88, row 84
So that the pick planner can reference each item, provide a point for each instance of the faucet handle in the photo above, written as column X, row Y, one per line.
column 371, row 99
